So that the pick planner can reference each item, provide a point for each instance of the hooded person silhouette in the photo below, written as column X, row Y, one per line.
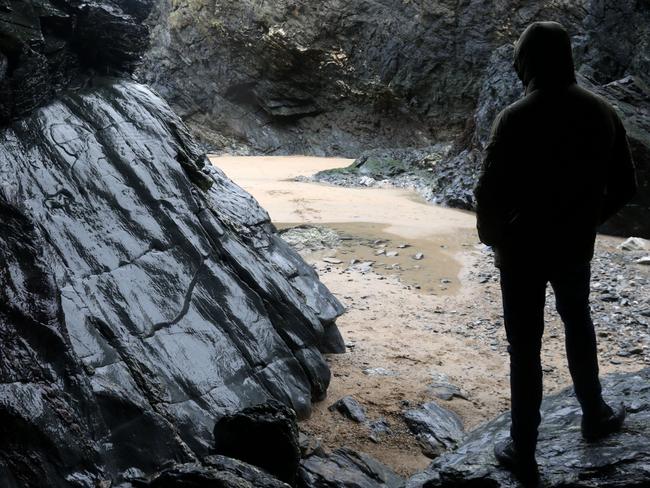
column 557, row 165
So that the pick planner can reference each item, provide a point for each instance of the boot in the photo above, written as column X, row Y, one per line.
column 606, row 423
column 522, row 464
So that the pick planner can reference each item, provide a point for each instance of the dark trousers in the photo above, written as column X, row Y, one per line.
column 523, row 290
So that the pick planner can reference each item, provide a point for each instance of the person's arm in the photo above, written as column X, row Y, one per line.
column 489, row 192
column 621, row 184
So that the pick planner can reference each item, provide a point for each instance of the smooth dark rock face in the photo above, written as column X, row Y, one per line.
column 143, row 295
column 621, row 460
column 264, row 435
column 344, row 468
column 437, row 428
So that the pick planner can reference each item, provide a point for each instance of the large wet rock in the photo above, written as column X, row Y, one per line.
column 345, row 468
column 216, row 471
column 565, row 459
column 144, row 295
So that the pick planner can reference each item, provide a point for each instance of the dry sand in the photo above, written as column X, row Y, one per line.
column 415, row 319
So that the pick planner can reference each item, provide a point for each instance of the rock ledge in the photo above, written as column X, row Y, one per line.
column 565, row 460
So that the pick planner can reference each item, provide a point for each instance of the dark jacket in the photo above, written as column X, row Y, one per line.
column 557, row 164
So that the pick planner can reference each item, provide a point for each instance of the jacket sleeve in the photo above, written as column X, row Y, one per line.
column 491, row 208
column 621, row 184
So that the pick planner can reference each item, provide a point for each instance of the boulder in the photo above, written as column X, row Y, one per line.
column 565, row 459
column 171, row 293
column 345, row 468
column 217, row 472
column 349, row 408
column 436, row 428
column 264, row 435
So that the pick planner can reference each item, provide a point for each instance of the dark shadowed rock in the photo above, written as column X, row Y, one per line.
column 264, row 435
column 248, row 472
column 309, row 445
column 47, row 46
column 631, row 98
column 349, row 408
column 436, row 428
column 344, row 468
column 223, row 473
column 621, row 460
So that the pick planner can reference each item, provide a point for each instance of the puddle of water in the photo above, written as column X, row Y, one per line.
column 436, row 273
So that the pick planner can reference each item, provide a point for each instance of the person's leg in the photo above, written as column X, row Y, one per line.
column 571, row 286
column 524, row 292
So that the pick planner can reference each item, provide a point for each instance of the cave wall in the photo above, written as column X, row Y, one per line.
column 331, row 77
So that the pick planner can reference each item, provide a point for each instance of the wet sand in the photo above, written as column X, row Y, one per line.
column 428, row 264
column 270, row 180
column 416, row 320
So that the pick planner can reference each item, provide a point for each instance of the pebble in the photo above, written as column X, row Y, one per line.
column 349, row 408
column 419, row 256
column 634, row 244
column 379, row 372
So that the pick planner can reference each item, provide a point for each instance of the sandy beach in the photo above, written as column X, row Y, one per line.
column 425, row 311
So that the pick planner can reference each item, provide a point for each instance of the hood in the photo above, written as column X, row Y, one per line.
column 543, row 56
